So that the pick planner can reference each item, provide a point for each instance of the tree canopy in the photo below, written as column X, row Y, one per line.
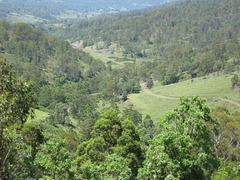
column 16, row 102
column 184, row 148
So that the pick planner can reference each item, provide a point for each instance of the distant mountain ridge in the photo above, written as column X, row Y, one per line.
column 91, row 5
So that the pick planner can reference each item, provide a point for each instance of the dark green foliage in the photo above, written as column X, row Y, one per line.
column 228, row 170
column 118, row 82
column 54, row 161
column 32, row 135
column 129, row 146
column 110, row 136
column 72, row 141
column 234, row 80
column 133, row 115
column 82, row 105
column 54, row 61
column 184, row 148
column 61, row 113
column 150, row 83
column 135, row 89
column 148, row 130
column 16, row 101
column 124, row 97
column 109, row 128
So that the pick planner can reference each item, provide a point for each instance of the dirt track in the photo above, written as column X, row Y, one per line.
column 175, row 98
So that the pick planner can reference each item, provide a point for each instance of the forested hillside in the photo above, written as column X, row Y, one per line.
column 185, row 40
column 193, row 23
column 27, row 46
column 85, row 126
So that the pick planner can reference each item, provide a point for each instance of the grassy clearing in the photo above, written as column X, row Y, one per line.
column 209, row 87
column 15, row 18
column 39, row 116
column 105, row 59
column 160, row 99
column 48, row 128
column 149, row 104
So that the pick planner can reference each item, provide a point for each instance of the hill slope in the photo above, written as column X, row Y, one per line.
column 184, row 40
column 160, row 99
column 157, row 30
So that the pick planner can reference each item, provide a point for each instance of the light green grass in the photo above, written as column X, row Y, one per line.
column 148, row 104
column 105, row 58
column 15, row 18
column 49, row 129
column 208, row 87
column 39, row 115
column 216, row 90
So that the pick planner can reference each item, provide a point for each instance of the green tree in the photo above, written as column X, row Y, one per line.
column 227, row 139
column 115, row 167
column 133, row 115
column 148, row 129
column 205, row 62
column 109, row 128
column 61, row 113
column 110, row 136
column 111, row 89
column 32, row 136
column 229, row 170
column 16, row 101
column 184, row 148
column 129, row 146
column 54, row 161
column 149, row 83
column 88, row 170
column 234, row 80
column 72, row 140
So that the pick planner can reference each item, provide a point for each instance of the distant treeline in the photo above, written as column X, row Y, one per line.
column 90, row 5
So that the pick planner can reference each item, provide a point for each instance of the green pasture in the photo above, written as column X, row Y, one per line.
column 149, row 104
column 39, row 115
column 106, row 60
column 41, row 118
column 211, row 86
column 217, row 90
column 15, row 18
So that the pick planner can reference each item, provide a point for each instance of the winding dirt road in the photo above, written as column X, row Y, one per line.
column 159, row 96
column 148, row 91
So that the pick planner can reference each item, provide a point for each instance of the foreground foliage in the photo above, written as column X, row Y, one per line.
column 16, row 101
column 184, row 148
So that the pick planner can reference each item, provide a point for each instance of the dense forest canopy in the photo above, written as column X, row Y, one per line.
column 192, row 23
column 86, row 127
